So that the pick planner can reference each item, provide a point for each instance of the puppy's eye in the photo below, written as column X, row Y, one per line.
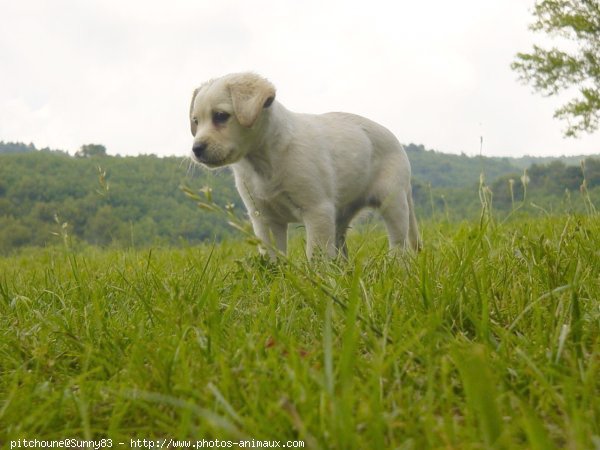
column 195, row 121
column 220, row 117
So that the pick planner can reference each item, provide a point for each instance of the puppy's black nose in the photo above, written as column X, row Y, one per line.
column 199, row 148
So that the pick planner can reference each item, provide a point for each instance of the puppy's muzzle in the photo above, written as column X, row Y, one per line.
column 199, row 148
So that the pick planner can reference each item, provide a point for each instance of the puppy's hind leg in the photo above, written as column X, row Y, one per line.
column 413, row 231
column 396, row 215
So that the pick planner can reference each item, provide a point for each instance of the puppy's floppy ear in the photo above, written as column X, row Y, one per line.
column 250, row 93
column 193, row 125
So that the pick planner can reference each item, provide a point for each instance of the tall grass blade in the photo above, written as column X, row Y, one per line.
column 481, row 393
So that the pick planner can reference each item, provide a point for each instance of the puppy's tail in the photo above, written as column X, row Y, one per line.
column 413, row 228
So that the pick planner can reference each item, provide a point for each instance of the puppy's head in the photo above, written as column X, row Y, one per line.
column 225, row 117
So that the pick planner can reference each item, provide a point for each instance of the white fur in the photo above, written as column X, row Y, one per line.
column 316, row 169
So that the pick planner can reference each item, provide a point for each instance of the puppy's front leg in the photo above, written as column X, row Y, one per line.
column 320, row 230
column 273, row 235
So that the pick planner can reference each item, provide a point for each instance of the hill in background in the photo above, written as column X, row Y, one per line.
column 446, row 170
column 47, row 195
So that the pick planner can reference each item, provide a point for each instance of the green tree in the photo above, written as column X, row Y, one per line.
column 90, row 150
column 552, row 71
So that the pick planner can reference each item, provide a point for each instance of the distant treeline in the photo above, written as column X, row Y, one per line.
column 16, row 147
column 47, row 196
column 19, row 147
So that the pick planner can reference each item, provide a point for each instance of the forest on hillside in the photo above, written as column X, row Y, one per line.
column 50, row 197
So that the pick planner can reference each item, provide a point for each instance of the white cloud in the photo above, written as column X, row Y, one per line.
column 121, row 73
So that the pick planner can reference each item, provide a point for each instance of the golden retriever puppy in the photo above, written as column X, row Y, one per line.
column 319, row 170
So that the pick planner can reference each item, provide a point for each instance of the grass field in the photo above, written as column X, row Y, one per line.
column 488, row 338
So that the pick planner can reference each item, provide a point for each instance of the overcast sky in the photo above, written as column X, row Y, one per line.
column 121, row 72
